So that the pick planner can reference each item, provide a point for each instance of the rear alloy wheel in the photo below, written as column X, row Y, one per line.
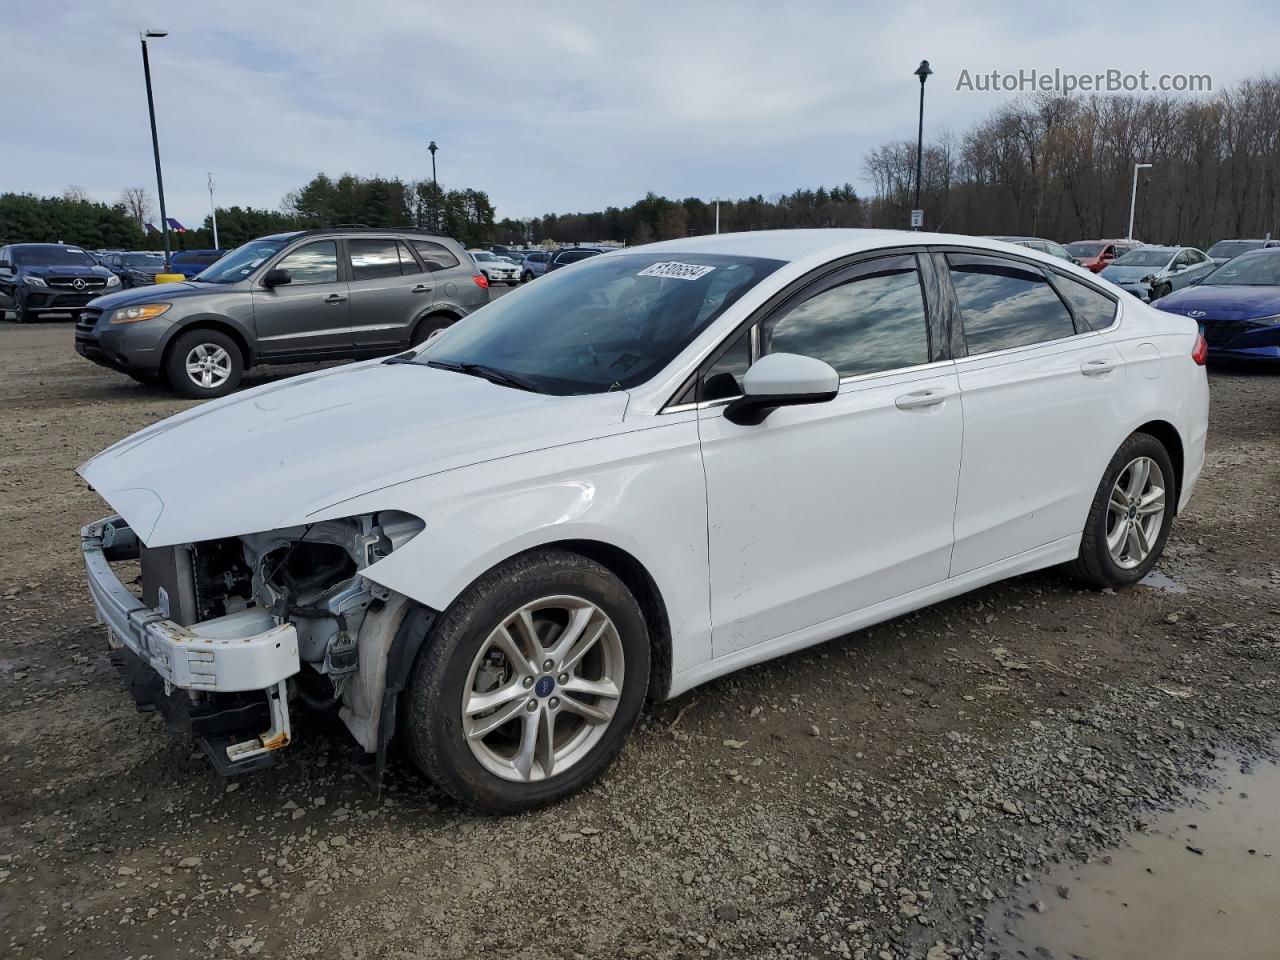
column 529, row 683
column 428, row 327
column 204, row 364
column 1131, row 515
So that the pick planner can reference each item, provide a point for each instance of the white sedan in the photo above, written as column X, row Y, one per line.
column 495, row 268
column 633, row 477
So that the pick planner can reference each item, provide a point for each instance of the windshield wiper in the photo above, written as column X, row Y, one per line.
column 501, row 377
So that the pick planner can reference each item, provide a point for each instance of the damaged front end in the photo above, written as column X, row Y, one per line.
column 225, row 634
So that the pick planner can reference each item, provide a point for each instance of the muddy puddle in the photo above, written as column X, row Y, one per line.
column 1162, row 581
column 1200, row 882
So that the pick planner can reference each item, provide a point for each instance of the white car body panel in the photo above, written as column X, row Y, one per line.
column 735, row 525
column 828, row 508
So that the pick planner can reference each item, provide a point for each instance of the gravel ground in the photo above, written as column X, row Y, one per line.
column 869, row 798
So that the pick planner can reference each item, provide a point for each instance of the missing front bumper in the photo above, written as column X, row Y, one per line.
column 206, row 678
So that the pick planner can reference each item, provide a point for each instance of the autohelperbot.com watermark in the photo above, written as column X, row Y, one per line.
column 1066, row 82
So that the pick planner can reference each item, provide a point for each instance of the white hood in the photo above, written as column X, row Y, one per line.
column 271, row 457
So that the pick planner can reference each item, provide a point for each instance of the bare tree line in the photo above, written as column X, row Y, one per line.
column 1062, row 167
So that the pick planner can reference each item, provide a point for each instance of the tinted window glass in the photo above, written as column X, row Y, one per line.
column 51, row 255
column 1004, row 304
column 436, row 256
column 724, row 378
column 373, row 259
column 871, row 323
column 314, row 263
column 1093, row 310
column 575, row 255
column 407, row 263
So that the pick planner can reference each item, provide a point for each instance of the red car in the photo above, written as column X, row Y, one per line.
column 1096, row 254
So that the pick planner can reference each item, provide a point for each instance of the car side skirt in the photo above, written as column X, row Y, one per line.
column 1046, row 555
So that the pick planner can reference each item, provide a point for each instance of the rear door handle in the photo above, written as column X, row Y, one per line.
column 335, row 298
column 422, row 288
column 1095, row 368
column 921, row 398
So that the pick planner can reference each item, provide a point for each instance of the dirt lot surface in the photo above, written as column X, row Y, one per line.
column 869, row 798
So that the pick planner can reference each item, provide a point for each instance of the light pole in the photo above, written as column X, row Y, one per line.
column 717, row 215
column 155, row 139
column 435, row 187
column 922, row 72
column 1133, row 196
column 213, row 212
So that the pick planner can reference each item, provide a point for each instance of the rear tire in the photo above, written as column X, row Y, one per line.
column 428, row 326
column 204, row 364
column 1124, row 536
column 588, row 694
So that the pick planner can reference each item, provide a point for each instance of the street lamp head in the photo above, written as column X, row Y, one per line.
column 923, row 71
column 432, row 146
column 155, row 34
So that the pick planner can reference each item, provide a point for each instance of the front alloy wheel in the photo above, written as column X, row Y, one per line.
column 543, row 688
column 528, row 683
column 204, row 364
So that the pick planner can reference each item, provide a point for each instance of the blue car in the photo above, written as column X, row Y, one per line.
column 1237, row 307
column 191, row 262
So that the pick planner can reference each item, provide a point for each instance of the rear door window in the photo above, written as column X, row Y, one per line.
column 435, row 255
column 1093, row 309
column 1004, row 303
column 373, row 259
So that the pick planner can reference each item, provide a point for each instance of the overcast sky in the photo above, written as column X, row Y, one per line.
column 547, row 106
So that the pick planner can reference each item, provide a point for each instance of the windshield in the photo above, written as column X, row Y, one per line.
column 1260, row 269
column 1143, row 258
column 142, row 260
column 1233, row 248
column 52, row 255
column 241, row 262
column 484, row 256
column 1084, row 248
column 611, row 323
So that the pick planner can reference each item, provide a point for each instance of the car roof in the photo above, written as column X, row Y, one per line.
column 792, row 245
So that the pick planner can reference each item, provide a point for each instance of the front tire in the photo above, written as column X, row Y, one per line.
column 529, row 684
column 1161, row 290
column 20, row 312
column 1131, row 515
column 204, row 364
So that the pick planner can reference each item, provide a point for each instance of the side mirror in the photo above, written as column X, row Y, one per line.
column 276, row 278
column 782, row 380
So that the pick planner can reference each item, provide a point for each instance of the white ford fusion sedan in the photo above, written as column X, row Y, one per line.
column 643, row 472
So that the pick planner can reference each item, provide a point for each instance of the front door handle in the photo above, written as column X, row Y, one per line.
column 422, row 288
column 1095, row 368
column 335, row 298
column 921, row 398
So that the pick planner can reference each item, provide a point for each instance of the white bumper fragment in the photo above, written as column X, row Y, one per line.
column 241, row 651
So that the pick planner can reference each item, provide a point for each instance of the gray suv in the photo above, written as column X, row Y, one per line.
column 342, row 293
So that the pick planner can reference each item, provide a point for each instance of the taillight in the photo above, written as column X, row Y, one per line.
column 481, row 281
column 1200, row 352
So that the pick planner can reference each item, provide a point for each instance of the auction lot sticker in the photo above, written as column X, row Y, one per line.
column 675, row 270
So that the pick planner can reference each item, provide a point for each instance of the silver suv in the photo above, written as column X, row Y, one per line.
column 335, row 294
